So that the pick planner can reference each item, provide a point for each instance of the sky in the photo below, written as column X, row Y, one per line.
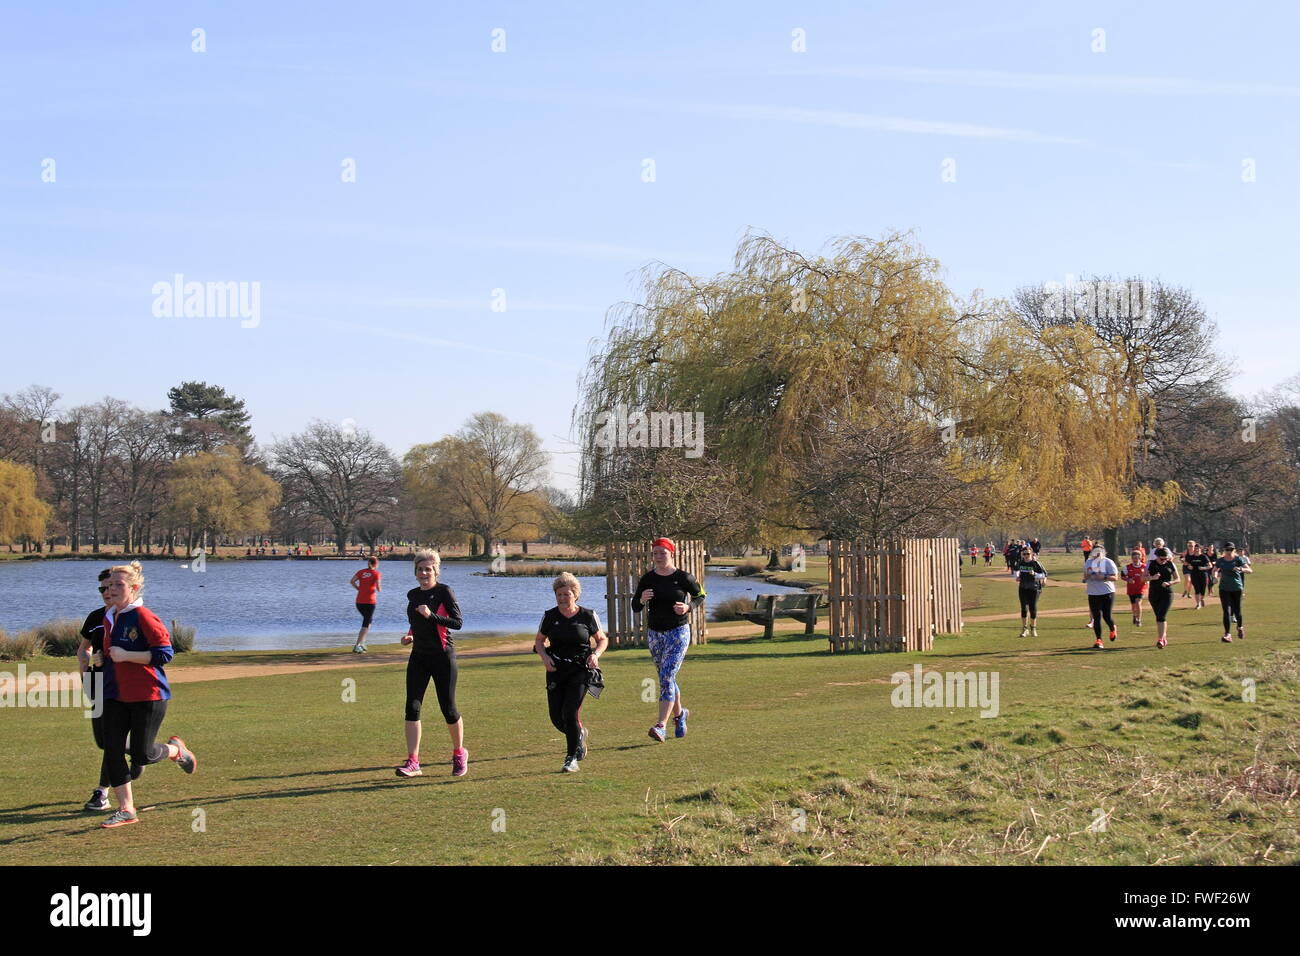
column 439, row 202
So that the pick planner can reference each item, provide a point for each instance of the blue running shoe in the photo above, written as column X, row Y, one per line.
column 680, row 721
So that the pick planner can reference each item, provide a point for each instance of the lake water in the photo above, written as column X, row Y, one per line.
column 265, row 605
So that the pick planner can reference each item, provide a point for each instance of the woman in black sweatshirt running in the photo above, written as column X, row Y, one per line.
column 433, row 613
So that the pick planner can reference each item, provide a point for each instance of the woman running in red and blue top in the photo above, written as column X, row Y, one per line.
column 665, row 590
column 135, row 689
column 434, row 614
column 564, row 644
column 90, row 658
column 366, row 582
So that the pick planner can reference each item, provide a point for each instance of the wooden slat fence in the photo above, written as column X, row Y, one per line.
column 895, row 596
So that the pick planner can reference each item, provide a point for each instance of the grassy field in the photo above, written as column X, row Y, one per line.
column 1128, row 755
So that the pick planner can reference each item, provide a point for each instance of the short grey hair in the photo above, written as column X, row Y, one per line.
column 566, row 580
column 428, row 554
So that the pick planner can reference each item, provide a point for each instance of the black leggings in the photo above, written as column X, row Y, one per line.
column 367, row 612
column 442, row 669
column 566, row 686
column 1100, row 606
column 141, row 721
column 1161, row 598
column 1199, row 581
column 1029, row 602
column 1231, row 601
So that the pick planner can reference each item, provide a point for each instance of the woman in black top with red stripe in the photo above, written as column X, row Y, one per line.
column 433, row 613
column 564, row 644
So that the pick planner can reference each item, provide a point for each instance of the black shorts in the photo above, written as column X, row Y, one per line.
column 367, row 612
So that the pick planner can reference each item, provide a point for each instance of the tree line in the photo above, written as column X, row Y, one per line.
column 852, row 394
column 189, row 476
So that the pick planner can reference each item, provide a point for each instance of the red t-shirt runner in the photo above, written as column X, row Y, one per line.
column 367, row 581
column 1133, row 582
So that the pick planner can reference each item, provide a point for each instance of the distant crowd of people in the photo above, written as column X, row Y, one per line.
column 1150, row 577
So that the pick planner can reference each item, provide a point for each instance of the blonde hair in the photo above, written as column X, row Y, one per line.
column 566, row 580
column 134, row 573
column 428, row 554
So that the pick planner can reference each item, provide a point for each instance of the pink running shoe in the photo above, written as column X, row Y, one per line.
column 460, row 762
column 410, row 769
column 1162, row 643
column 1227, row 638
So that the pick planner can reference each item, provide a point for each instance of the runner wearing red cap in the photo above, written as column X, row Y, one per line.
column 669, row 593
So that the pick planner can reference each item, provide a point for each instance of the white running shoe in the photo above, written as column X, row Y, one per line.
column 570, row 765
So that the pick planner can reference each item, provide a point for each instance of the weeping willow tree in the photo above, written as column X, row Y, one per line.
column 786, row 358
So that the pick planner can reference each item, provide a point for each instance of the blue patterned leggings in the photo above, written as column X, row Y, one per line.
column 668, row 650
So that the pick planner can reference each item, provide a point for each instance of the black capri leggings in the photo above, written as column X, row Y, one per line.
column 1231, row 601
column 1161, row 598
column 139, row 719
column 565, row 689
column 441, row 668
column 367, row 612
column 1029, row 602
column 1100, row 606
column 1198, row 581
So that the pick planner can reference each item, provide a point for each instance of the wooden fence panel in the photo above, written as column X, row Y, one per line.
column 895, row 597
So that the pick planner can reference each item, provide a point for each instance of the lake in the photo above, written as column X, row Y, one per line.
column 267, row 605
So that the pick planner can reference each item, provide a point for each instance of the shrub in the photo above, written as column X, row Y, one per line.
column 182, row 638
column 748, row 568
column 547, row 570
column 20, row 647
column 61, row 637
column 729, row 610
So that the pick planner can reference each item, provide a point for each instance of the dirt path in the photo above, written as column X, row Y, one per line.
column 193, row 674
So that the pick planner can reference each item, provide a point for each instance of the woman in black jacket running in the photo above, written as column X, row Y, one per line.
column 433, row 613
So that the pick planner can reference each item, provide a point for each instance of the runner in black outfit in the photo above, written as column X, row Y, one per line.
column 1199, row 570
column 433, row 612
column 1029, row 576
column 1162, row 574
column 570, row 662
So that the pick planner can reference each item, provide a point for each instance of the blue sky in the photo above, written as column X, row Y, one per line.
column 522, row 171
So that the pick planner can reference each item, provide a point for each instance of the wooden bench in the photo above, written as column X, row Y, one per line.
column 768, row 607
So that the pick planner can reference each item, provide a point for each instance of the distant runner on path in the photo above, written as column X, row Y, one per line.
column 366, row 583
column 1030, row 576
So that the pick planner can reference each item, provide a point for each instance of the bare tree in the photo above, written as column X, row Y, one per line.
column 482, row 480
column 341, row 475
column 646, row 492
column 878, row 480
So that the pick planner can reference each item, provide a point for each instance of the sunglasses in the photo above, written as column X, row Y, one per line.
column 102, row 590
